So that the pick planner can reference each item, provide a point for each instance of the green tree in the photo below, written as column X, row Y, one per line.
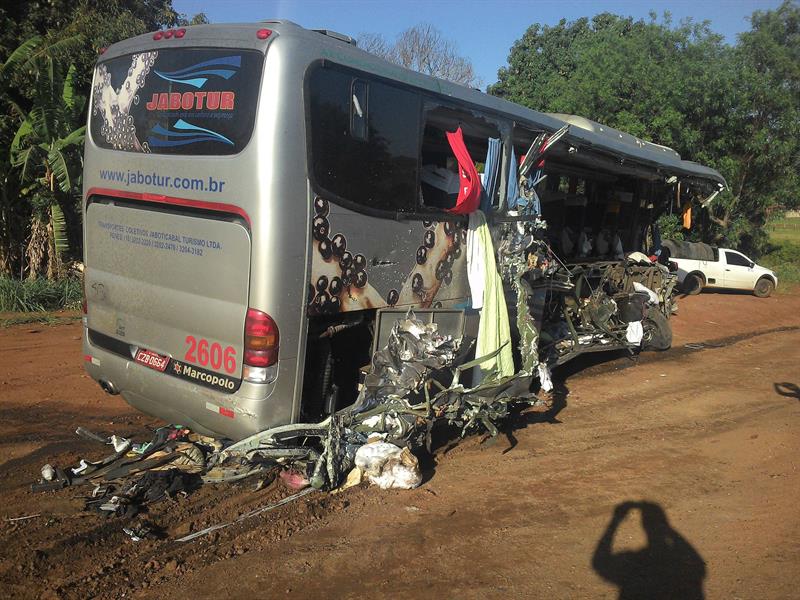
column 734, row 108
column 761, row 153
column 658, row 82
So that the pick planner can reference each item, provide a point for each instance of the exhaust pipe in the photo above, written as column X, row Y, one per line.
column 108, row 387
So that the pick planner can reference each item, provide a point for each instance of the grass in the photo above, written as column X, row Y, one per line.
column 783, row 256
column 784, row 230
column 39, row 295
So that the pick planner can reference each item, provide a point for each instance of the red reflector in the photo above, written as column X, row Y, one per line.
column 263, row 34
column 168, row 33
column 180, row 33
column 87, row 357
column 226, row 412
column 260, row 358
column 158, row 35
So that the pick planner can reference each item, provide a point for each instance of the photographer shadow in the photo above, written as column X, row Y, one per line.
column 668, row 567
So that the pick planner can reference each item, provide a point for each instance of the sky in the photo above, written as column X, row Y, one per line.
column 482, row 31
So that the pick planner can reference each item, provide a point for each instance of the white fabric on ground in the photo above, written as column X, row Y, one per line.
column 635, row 332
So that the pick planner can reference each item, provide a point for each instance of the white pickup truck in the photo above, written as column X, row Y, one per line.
column 702, row 266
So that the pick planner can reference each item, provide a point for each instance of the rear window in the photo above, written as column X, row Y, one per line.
column 176, row 101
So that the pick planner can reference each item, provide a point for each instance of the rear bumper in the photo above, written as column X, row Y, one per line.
column 252, row 408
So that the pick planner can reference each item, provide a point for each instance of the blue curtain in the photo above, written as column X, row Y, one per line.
column 491, row 175
column 512, row 193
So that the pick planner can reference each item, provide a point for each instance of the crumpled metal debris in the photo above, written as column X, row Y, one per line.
column 413, row 384
column 413, row 350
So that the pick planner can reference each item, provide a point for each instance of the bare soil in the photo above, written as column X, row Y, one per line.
column 695, row 450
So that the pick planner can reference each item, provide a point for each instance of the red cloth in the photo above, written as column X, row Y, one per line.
column 469, row 190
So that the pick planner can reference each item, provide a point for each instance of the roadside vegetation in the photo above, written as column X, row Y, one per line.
column 734, row 107
column 783, row 253
column 47, row 55
column 40, row 294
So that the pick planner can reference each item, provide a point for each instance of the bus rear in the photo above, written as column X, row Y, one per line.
column 175, row 222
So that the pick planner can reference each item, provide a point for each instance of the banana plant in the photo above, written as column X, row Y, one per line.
column 47, row 147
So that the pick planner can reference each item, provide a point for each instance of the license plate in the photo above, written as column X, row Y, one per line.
column 151, row 359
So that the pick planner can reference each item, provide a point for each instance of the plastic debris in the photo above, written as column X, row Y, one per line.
column 635, row 332
column 120, row 444
column 48, row 472
column 294, row 480
column 354, row 477
column 545, row 378
column 388, row 466
column 652, row 296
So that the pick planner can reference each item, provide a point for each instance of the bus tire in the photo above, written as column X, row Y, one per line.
column 764, row 287
column 657, row 331
column 693, row 284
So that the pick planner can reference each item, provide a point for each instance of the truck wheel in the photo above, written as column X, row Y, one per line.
column 693, row 284
column 764, row 287
column 657, row 331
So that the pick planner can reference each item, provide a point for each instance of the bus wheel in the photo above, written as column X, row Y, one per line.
column 657, row 331
column 693, row 284
column 764, row 287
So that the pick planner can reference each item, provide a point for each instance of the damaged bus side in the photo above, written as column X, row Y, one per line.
column 262, row 201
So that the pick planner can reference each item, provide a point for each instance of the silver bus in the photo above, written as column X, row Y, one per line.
column 257, row 196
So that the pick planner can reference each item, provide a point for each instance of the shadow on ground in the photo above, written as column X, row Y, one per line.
column 667, row 567
column 790, row 390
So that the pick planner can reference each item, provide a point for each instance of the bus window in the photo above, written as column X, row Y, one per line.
column 364, row 139
column 176, row 101
column 439, row 180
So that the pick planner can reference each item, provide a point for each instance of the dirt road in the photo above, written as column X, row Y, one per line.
column 671, row 477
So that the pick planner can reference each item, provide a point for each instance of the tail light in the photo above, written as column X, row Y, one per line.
column 260, row 347
column 263, row 34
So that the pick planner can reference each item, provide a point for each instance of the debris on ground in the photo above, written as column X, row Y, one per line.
column 414, row 383
column 388, row 466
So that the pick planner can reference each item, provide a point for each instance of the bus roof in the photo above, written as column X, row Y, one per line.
column 585, row 135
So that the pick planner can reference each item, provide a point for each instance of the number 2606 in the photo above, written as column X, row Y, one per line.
column 200, row 352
